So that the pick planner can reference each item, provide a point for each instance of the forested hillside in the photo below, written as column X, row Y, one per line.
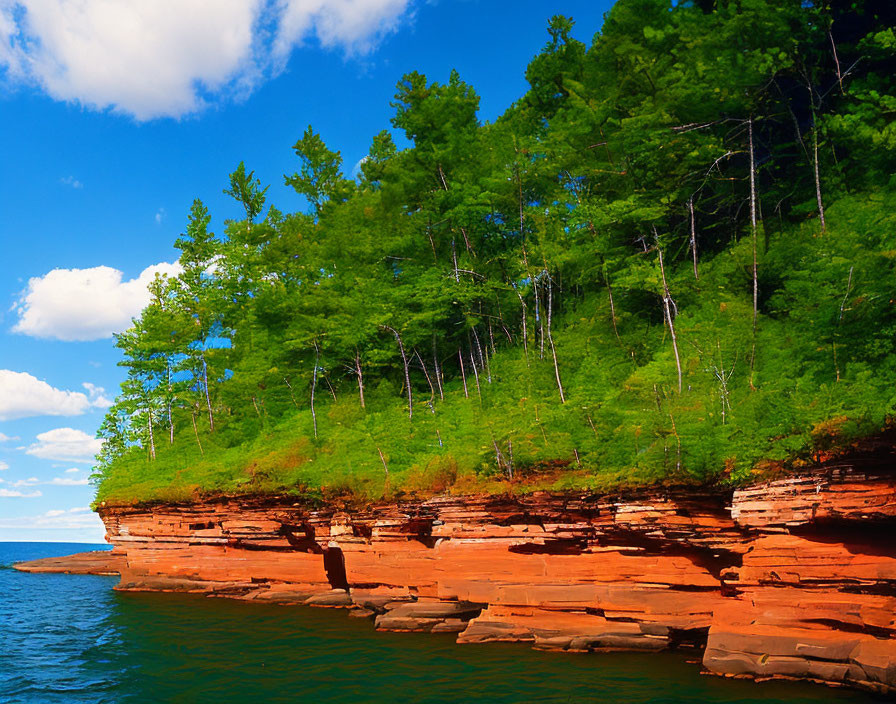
column 673, row 259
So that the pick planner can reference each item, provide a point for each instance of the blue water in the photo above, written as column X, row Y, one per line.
column 69, row 638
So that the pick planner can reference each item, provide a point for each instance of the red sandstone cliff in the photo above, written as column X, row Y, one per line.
column 795, row 577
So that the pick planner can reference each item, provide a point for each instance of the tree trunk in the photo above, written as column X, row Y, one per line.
column 476, row 375
column 435, row 361
column 360, row 377
column 407, row 373
column 196, row 432
column 432, row 390
column 524, row 316
column 839, row 321
column 463, row 374
column 314, row 388
column 483, row 360
column 208, row 400
column 693, row 236
column 753, row 233
column 667, row 308
column 152, row 441
column 817, row 175
column 612, row 304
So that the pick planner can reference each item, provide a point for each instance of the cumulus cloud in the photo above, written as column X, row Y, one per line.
column 6, row 493
column 6, row 438
column 71, row 181
column 68, row 481
column 74, row 523
column 67, row 445
column 84, row 304
column 169, row 58
column 56, row 481
column 97, row 396
column 23, row 396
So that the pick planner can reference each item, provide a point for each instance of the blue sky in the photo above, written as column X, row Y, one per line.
column 114, row 117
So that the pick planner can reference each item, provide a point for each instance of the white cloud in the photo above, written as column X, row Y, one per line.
column 65, row 444
column 160, row 215
column 25, row 396
column 72, row 470
column 66, row 481
column 84, row 304
column 169, row 58
column 3, row 466
column 73, row 524
column 6, row 438
column 71, row 181
column 57, row 481
column 6, row 493
column 97, row 396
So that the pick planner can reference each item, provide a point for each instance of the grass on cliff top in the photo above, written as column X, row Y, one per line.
column 624, row 423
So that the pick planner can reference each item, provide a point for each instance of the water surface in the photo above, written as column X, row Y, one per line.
column 71, row 639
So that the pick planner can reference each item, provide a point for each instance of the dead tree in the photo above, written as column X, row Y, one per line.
column 667, row 309
column 407, row 373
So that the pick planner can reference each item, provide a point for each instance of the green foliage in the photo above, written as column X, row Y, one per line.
column 512, row 305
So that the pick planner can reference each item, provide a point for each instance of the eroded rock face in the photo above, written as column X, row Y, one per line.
column 102, row 562
column 794, row 578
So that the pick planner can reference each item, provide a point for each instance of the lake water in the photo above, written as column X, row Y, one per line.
column 69, row 638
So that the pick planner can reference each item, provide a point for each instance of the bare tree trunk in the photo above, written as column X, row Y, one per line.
column 754, row 234
column 539, row 318
column 556, row 368
column 817, row 175
column 432, row 390
column 329, row 386
column 208, row 400
column 476, row 375
column 678, row 440
column 693, row 236
column 483, row 360
column 291, row 394
column 836, row 61
column 612, row 304
column 840, row 320
column 196, row 432
column 360, row 377
column 524, row 316
column 407, row 373
column 314, row 388
column 454, row 259
column 463, row 374
column 152, row 441
column 667, row 308
column 383, row 460
column 435, row 361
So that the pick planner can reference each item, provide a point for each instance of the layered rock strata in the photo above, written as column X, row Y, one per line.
column 793, row 578
column 102, row 562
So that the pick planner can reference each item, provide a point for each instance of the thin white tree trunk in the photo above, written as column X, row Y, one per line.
column 754, row 236
column 667, row 308
column 208, row 399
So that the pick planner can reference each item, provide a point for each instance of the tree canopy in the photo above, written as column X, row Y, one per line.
column 671, row 260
